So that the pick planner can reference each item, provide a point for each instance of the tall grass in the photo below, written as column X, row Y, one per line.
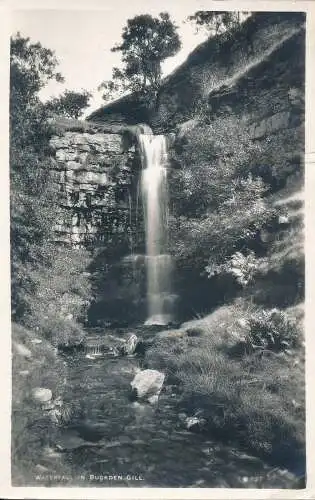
column 254, row 399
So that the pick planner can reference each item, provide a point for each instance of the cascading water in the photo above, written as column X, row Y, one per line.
column 155, row 201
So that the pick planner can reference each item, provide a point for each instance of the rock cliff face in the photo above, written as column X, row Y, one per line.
column 264, row 95
column 93, row 170
column 268, row 95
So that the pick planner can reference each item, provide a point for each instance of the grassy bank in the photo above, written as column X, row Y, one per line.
column 34, row 364
column 249, row 395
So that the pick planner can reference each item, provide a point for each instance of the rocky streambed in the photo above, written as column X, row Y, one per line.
column 112, row 439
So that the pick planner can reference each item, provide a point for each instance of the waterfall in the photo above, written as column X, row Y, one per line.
column 155, row 202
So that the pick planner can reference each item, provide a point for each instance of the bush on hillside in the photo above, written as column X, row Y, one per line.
column 244, row 267
column 273, row 330
column 217, row 205
column 216, row 236
column 62, row 295
column 212, row 156
column 280, row 157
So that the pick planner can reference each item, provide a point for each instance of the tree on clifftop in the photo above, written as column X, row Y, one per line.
column 70, row 104
column 146, row 42
column 216, row 22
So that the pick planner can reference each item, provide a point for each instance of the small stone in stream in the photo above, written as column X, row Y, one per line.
column 24, row 373
column 51, row 452
column 182, row 416
column 41, row 468
column 195, row 423
column 21, row 350
column 36, row 341
column 129, row 346
column 41, row 395
column 139, row 442
column 207, row 451
column 153, row 399
column 113, row 444
column 199, row 482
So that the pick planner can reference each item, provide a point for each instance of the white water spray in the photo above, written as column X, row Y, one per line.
column 155, row 200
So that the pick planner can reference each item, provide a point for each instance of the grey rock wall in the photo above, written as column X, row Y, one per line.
column 94, row 176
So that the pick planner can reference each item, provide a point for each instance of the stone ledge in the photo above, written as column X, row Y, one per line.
column 61, row 125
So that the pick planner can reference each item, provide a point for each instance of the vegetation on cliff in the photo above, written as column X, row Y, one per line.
column 38, row 283
column 217, row 22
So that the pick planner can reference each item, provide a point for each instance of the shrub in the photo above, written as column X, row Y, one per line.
column 242, row 267
column 273, row 330
column 217, row 205
column 60, row 331
column 220, row 233
column 61, row 296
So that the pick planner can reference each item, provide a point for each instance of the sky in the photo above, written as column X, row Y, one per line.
column 82, row 40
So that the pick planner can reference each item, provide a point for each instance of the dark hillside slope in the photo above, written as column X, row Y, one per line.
column 220, row 62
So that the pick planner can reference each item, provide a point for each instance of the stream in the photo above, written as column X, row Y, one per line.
column 113, row 441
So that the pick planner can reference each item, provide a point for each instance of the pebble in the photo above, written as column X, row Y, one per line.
column 113, row 444
column 41, row 468
column 22, row 350
column 139, row 442
column 51, row 452
column 199, row 482
column 207, row 451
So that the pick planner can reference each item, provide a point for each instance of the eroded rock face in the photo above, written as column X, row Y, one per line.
column 94, row 172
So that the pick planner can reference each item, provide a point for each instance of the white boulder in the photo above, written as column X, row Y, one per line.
column 147, row 384
column 41, row 395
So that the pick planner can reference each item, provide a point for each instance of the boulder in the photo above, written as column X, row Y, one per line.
column 41, row 395
column 147, row 384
